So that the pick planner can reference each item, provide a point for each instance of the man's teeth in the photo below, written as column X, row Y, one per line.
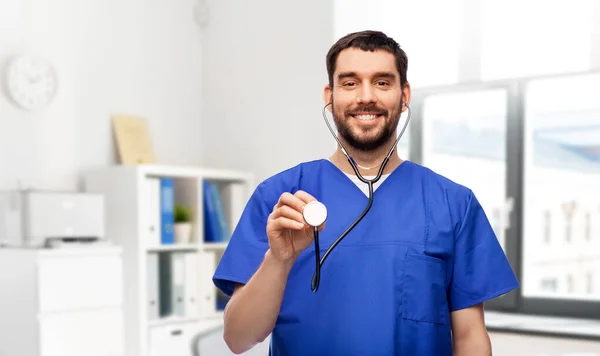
column 365, row 117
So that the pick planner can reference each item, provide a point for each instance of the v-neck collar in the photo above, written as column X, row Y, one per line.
column 397, row 171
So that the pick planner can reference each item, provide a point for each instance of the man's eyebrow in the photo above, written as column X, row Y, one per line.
column 385, row 75
column 344, row 75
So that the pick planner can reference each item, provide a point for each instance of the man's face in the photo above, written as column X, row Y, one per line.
column 366, row 98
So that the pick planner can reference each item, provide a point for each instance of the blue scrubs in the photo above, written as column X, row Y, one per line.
column 424, row 250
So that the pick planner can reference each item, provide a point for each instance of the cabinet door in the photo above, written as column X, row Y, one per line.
column 90, row 333
column 75, row 282
column 172, row 340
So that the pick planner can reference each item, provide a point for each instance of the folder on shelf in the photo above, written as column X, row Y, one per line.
column 216, row 228
column 191, row 285
column 233, row 194
column 206, row 289
column 172, row 284
column 153, row 189
column 167, row 206
column 153, row 287
column 165, row 289
column 178, row 283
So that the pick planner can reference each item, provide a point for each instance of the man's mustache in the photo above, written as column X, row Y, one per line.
column 370, row 108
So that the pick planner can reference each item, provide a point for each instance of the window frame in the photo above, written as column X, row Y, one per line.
column 513, row 302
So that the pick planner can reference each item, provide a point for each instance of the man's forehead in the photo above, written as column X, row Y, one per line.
column 365, row 63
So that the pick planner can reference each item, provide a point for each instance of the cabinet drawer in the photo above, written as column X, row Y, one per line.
column 89, row 333
column 75, row 282
column 172, row 340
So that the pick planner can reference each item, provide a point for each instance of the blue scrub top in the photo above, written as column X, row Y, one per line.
column 425, row 249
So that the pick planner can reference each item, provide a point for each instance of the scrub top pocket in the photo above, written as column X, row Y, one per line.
column 423, row 290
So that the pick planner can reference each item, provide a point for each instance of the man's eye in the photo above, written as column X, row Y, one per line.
column 349, row 84
column 382, row 83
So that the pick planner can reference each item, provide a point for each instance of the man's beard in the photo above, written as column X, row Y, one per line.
column 363, row 142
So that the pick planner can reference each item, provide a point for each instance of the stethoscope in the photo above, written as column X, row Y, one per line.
column 315, row 212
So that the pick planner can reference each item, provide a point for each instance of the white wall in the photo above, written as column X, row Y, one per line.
column 263, row 79
column 134, row 57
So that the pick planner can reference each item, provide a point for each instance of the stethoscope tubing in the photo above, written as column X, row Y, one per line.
column 319, row 261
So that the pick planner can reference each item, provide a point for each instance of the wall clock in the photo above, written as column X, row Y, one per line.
column 31, row 82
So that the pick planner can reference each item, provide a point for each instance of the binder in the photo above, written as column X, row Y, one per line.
column 165, row 301
column 211, row 223
column 191, row 285
column 223, row 224
column 167, row 206
column 178, row 283
column 216, row 227
column 153, row 287
column 152, row 191
column 234, row 198
column 206, row 290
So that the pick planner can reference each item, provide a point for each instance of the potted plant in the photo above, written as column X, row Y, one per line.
column 183, row 224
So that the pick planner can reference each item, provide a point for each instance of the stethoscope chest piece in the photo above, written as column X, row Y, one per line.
column 315, row 213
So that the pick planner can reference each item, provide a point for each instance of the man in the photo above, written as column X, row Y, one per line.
column 409, row 279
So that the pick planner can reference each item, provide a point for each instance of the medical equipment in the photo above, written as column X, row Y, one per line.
column 316, row 214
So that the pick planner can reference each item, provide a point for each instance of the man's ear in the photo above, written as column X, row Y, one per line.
column 406, row 94
column 327, row 96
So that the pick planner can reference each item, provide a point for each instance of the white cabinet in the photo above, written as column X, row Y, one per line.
column 169, row 296
column 78, row 282
column 86, row 332
column 61, row 302
column 175, row 339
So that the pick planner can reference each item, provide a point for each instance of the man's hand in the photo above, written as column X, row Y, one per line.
column 469, row 334
column 287, row 231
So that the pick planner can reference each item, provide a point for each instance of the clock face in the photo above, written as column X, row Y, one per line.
column 31, row 82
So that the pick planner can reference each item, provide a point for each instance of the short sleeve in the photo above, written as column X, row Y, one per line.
column 481, row 270
column 247, row 246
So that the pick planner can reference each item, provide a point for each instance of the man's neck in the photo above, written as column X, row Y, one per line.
column 368, row 162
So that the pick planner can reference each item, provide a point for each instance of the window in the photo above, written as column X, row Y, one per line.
column 588, row 226
column 562, row 176
column 532, row 148
column 468, row 145
column 532, row 145
column 590, row 282
column 549, row 285
column 547, row 228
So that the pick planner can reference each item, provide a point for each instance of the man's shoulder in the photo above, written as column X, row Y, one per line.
column 437, row 182
column 290, row 178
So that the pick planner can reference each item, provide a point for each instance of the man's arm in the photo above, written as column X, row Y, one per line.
column 251, row 312
column 469, row 334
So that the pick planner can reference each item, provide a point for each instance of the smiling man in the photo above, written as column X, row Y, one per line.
column 409, row 279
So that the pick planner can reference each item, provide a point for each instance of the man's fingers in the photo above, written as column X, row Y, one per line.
column 281, row 223
column 304, row 196
column 287, row 199
column 288, row 212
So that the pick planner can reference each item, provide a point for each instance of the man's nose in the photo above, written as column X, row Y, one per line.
column 366, row 94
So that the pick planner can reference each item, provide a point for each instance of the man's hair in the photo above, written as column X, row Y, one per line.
column 368, row 41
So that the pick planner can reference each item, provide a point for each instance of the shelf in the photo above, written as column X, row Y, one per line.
column 214, row 246
column 155, row 272
column 171, row 321
column 173, row 247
